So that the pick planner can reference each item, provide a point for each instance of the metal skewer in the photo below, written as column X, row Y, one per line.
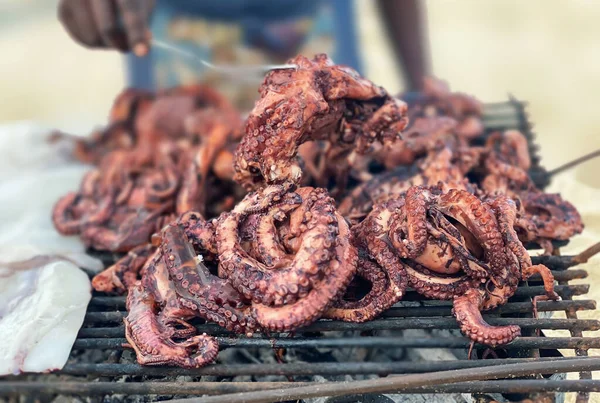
column 226, row 69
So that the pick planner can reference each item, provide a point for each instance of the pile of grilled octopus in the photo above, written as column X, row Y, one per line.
column 330, row 184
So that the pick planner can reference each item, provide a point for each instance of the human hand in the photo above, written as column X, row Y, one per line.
column 111, row 24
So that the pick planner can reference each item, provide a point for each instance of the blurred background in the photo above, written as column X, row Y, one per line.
column 548, row 55
column 545, row 52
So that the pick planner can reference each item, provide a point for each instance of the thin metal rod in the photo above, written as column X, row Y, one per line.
column 305, row 369
column 504, row 104
column 221, row 388
column 555, row 262
column 404, row 382
column 229, row 69
column 530, row 291
column 427, row 310
column 402, row 312
column 574, row 163
column 134, row 388
column 587, row 254
column 366, row 342
column 431, row 323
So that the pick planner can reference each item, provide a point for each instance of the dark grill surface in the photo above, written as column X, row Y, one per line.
column 101, row 368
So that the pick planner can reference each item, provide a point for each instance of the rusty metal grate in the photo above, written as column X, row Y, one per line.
column 100, row 369
column 103, row 331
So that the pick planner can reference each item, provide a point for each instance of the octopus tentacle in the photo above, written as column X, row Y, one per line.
column 341, row 270
column 547, row 279
column 380, row 297
column 467, row 310
column 373, row 234
column 432, row 285
column 416, row 202
column 152, row 347
column 124, row 273
column 211, row 297
column 63, row 214
column 200, row 233
column 506, row 214
column 507, row 217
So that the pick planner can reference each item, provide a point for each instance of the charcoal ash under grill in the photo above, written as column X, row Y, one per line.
column 416, row 336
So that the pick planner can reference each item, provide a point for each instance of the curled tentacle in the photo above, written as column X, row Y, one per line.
column 467, row 310
column 70, row 218
column 290, row 270
column 342, row 267
column 379, row 298
column 373, row 234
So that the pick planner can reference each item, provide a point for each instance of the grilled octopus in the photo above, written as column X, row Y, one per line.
column 545, row 217
column 446, row 245
column 176, row 286
column 181, row 160
column 316, row 101
column 442, row 164
column 438, row 100
column 283, row 258
column 291, row 255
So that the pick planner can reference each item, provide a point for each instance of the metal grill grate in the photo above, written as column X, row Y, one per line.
column 99, row 367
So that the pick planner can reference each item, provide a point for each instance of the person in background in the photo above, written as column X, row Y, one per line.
column 241, row 32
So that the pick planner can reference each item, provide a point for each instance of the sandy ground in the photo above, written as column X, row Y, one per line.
column 545, row 52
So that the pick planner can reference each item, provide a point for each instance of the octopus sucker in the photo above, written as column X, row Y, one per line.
column 467, row 310
column 310, row 308
column 152, row 346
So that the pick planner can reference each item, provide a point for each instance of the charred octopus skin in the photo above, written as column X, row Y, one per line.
column 291, row 254
column 316, row 101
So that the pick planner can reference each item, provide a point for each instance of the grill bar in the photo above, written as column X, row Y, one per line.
column 367, row 342
column 402, row 383
column 219, row 388
column 582, row 396
column 328, row 368
column 401, row 324
column 523, row 291
column 402, row 312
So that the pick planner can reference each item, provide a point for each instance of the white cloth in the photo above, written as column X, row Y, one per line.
column 33, row 176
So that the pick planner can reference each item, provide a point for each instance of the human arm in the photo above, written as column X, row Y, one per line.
column 405, row 23
column 112, row 24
